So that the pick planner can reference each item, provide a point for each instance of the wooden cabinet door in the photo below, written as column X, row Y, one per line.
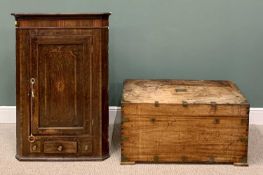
column 60, row 84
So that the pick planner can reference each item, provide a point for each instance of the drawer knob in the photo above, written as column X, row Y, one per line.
column 59, row 148
column 34, row 147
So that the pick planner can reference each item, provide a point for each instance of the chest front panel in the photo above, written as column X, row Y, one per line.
column 178, row 138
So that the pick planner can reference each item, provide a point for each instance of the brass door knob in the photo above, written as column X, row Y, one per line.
column 60, row 148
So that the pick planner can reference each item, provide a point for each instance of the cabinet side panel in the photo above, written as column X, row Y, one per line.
column 18, row 121
column 96, row 93
column 105, row 100
column 22, row 99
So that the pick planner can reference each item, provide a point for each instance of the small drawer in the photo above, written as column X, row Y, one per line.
column 60, row 147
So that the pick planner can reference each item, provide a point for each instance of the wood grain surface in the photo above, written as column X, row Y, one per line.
column 62, row 80
column 178, row 91
column 184, row 133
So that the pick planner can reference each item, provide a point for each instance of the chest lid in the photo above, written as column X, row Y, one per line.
column 182, row 91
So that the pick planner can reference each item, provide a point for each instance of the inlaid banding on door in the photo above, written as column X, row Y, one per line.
column 61, row 64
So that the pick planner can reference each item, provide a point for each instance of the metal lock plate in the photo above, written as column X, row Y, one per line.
column 156, row 104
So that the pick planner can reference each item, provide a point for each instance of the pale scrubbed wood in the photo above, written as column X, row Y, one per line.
column 201, row 131
column 177, row 91
column 176, row 138
column 190, row 110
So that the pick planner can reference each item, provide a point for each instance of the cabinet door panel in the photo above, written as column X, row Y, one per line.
column 58, row 75
column 61, row 70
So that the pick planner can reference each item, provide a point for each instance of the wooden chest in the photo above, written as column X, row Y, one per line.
column 184, row 121
column 62, row 86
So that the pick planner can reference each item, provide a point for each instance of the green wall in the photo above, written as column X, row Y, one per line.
column 171, row 39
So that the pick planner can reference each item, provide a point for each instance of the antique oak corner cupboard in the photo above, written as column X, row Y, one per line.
column 62, row 86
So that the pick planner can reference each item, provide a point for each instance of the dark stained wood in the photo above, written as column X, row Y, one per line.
column 94, row 20
column 60, row 147
column 184, row 121
column 60, row 15
column 62, row 86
